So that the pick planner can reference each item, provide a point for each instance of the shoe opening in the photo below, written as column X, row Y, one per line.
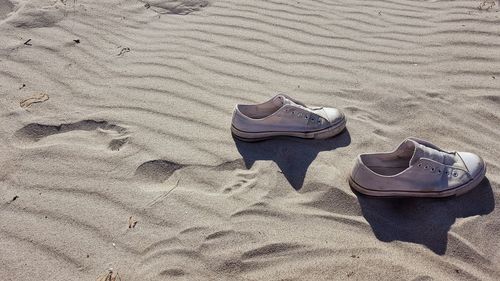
column 259, row 111
column 391, row 163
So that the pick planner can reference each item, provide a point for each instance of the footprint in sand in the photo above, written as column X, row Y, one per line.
column 242, row 181
column 230, row 178
column 32, row 13
column 35, row 132
column 157, row 170
column 160, row 170
column 5, row 8
column 177, row 7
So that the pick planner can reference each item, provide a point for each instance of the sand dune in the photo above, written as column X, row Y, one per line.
column 137, row 124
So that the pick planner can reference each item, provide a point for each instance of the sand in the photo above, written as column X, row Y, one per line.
column 121, row 108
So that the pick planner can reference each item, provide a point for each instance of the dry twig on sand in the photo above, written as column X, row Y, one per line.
column 109, row 276
column 40, row 97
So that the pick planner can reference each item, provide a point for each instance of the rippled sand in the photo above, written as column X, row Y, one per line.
column 136, row 124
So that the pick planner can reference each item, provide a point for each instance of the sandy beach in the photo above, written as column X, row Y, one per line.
column 116, row 153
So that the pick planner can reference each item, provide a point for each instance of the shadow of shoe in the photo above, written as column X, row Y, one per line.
column 424, row 221
column 292, row 155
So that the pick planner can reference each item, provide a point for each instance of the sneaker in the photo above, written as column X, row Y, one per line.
column 284, row 116
column 417, row 168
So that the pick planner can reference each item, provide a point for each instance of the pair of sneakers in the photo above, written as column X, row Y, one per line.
column 415, row 168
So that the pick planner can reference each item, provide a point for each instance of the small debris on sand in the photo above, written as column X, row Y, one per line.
column 123, row 51
column 109, row 276
column 131, row 222
column 77, row 41
column 27, row 43
column 40, row 97
column 486, row 5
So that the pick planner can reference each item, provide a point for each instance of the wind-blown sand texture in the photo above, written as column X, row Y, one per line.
column 137, row 124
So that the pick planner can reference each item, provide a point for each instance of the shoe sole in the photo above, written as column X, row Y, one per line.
column 322, row 134
column 457, row 191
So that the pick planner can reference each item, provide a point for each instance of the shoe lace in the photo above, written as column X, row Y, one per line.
column 303, row 106
column 431, row 168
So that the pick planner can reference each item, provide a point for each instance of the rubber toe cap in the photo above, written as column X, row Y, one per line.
column 334, row 115
column 473, row 163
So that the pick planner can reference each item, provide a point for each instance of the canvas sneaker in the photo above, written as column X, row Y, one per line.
column 417, row 168
column 284, row 116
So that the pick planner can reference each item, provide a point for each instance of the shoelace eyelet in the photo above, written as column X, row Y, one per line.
column 420, row 164
column 432, row 169
column 455, row 174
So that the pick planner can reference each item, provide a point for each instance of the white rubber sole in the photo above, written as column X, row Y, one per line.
column 445, row 193
column 322, row 134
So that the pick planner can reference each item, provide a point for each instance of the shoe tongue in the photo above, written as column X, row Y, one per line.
column 422, row 151
column 419, row 151
column 281, row 100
